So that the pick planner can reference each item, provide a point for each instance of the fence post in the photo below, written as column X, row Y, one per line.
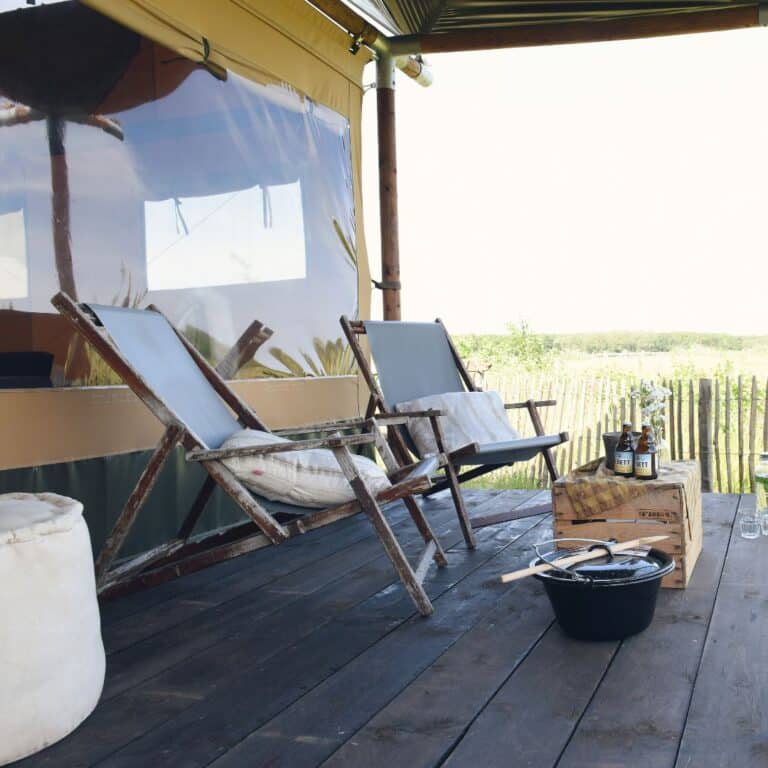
column 752, row 433
column 718, row 469
column 670, row 436
column 691, row 420
column 705, row 433
column 680, row 430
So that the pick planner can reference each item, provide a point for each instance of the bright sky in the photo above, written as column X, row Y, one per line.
column 585, row 187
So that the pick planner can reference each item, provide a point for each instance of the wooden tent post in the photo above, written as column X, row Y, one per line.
column 390, row 254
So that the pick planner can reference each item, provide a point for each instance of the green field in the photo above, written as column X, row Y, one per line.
column 617, row 354
column 592, row 375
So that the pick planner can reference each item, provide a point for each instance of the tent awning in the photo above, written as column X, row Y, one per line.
column 434, row 26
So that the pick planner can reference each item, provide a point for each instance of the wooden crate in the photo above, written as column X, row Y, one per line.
column 591, row 502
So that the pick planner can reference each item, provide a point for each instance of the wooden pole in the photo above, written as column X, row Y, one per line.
column 740, row 432
column 390, row 251
column 752, row 433
column 60, row 206
column 728, row 470
column 680, row 455
column 705, row 433
column 671, row 419
column 718, row 470
column 691, row 421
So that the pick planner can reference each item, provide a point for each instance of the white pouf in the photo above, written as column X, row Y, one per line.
column 51, row 654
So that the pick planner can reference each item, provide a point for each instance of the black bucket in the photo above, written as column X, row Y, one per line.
column 608, row 598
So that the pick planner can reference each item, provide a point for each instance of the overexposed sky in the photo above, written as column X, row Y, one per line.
column 585, row 187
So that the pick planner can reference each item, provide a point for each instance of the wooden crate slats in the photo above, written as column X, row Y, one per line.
column 596, row 504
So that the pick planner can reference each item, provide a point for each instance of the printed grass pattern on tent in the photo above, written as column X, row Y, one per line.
column 332, row 358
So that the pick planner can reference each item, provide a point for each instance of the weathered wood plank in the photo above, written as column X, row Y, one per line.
column 389, row 541
column 264, row 682
column 691, row 421
column 718, row 473
column 740, row 432
column 311, row 729
column 135, row 501
column 671, row 420
column 424, row 722
column 216, row 589
column 705, row 434
column 114, row 611
column 147, row 658
column 425, row 560
column 728, row 470
column 243, row 350
column 752, row 433
column 625, row 726
column 680, row 428
column 482, row 682
column 728, row 717
column 169, row 683
column 504, row 507
column 528, row 722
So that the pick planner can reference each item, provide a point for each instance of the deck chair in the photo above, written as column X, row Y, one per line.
column 414, row 360
column 200, row 411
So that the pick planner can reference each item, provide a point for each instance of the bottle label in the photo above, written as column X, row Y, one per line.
column 643, row 465
column 622, row 463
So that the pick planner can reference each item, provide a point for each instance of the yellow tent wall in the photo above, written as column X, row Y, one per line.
column 286, row 41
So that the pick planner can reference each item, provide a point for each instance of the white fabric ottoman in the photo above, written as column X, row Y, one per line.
column 51, row 653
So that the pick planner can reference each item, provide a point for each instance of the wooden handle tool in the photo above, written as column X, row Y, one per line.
column 573, row 559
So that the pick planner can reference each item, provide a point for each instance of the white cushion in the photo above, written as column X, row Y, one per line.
column 51, row 654
column 309, row 478
column 467, row 417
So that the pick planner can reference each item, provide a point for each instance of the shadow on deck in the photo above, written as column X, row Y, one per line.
column 311, row 653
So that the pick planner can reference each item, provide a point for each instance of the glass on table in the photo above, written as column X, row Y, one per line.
column 761, row 492
column 749, row 526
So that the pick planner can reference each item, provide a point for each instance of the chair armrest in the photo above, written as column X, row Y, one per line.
column 537, row 404
column 334, row 441
column 415, row 483
column 383, row 419
column 411, row 414
column 323, row 426
column 470, row 449
column 425, row 467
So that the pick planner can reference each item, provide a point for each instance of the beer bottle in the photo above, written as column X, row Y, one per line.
column 645, row 455
column 624, row 458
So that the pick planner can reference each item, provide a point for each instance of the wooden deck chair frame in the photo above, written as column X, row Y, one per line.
column 186, row 553
column 450, row 462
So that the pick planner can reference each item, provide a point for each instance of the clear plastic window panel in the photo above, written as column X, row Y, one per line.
column 139, row 178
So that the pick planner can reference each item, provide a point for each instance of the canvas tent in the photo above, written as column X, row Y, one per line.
column 118, row 153
column 204, row 157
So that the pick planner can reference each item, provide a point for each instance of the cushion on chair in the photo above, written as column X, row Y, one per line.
column 51, row 653
column 467, row 417
column 308, row 478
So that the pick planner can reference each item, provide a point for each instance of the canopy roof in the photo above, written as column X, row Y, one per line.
column 414, row 26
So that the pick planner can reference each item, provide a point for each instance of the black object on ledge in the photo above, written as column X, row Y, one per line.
column 20, row 370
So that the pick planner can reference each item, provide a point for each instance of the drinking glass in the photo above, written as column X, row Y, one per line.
column 749, row 525
column 761, row 491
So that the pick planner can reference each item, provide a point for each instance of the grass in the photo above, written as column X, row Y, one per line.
column 501, row 480
column 590, row 374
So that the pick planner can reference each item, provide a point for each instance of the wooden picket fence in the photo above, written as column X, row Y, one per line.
column 722, row 422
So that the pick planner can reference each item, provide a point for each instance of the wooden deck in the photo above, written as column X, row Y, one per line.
column 311, row 654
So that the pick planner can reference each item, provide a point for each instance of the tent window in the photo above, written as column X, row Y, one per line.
column 143, row 179
column 14, row 279
column 253, row 235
